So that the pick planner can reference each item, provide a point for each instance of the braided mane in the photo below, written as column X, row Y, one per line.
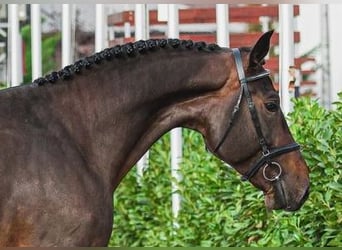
column 121, row 51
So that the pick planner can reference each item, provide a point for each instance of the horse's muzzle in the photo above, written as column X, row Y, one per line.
column 278, row 198
column 295, row 207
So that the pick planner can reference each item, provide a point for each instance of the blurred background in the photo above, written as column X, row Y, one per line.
column 314, row 48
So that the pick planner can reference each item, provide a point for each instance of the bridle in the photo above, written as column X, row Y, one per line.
column 266, row 160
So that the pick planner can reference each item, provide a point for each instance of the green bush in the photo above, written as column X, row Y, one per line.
column 49, row 45
column 220, row 210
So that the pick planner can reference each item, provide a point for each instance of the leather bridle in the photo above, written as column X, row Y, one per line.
column 266, row 160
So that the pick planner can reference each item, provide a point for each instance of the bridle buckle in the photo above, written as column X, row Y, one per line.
column 266, row 153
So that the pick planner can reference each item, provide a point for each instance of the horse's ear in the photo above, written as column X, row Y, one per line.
column 260, row 50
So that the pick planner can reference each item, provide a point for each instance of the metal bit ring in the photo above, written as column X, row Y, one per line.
column 276, row 177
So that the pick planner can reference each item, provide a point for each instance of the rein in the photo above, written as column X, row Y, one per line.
column 267, row 153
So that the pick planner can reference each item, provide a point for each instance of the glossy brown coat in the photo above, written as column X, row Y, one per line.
column 68, row 139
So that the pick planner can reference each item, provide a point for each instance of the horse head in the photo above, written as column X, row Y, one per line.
column 248, row 131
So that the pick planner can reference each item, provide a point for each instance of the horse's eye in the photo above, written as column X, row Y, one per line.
column 271, row 106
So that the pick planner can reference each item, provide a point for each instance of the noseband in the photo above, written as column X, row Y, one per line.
column 267, row 153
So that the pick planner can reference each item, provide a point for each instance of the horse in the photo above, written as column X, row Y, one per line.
column 69, row 137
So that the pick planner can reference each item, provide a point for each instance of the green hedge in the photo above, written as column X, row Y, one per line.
column 49, row 45
column 220, row 210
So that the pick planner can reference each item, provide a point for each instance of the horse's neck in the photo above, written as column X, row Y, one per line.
column 168, row 76
column 116, row 113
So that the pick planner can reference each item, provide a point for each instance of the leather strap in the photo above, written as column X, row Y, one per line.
column 274, row 152
column 251, row 106
column 267, row 154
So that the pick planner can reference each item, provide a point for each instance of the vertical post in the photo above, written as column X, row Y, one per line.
column 111, row 33
column 36, row 41
column 298, row 78
column 286, row 57
column 141, row 33
column 176, row 133
column 173, row 21
column 141, row 22
column 15, row 46
column 326, row 81
column 100, row 28
column 265, row 21
column 127, row 30
column 66, row 34
column 222, row 20
column 110, row 29
column 292, row 81
column 127, row 25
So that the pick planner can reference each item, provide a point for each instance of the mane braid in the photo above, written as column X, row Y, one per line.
column 122, row 51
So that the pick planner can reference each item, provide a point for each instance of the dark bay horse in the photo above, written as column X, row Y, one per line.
column 69, row 138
